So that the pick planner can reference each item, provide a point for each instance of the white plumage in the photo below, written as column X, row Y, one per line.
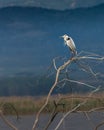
column 70, row 43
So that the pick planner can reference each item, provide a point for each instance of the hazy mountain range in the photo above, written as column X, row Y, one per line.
column 53, row 4
column 29, row 36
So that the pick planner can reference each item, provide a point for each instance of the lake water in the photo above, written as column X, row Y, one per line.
column 75, row 121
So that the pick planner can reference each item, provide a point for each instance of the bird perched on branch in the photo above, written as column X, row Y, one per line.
column 70, row 43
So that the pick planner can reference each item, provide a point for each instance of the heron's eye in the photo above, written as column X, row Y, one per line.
column 68, row 38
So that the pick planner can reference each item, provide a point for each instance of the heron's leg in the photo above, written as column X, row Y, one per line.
column 71, row 55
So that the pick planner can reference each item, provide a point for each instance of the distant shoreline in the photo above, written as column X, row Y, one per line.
column 30, row 105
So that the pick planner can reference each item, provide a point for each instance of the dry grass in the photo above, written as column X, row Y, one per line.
column 30, row 105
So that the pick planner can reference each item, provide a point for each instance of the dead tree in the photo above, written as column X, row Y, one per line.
column 82, row 60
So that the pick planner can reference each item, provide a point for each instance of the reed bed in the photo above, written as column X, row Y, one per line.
column 30, row 105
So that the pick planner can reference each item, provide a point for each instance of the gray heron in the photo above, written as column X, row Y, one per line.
column 70, row 43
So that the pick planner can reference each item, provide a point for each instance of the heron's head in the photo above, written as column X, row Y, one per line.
column 64, row 36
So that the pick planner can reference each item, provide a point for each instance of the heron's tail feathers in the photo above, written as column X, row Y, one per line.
column 75, row 52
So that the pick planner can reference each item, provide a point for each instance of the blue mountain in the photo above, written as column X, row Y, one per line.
column 30, row 36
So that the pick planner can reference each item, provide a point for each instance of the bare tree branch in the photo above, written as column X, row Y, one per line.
column 78, row 82
column 74, row 109
column 99, row 125
column 7, row 121
column 51, row 90
column 53, row 115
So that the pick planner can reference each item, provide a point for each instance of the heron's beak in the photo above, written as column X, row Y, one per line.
column 61, row 36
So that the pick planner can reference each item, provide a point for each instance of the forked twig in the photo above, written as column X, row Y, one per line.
column 51, row 90
column 53, row 115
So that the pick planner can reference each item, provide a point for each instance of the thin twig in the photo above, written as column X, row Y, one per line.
column 78, row 82
column 99, row 125
column 7, row 121
column 91, row 58
column 53, row 115
column 96, row 109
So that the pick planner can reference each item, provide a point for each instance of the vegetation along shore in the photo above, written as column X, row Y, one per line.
column 30, row 105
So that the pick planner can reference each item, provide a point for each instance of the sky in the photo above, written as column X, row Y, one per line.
column 51, row 4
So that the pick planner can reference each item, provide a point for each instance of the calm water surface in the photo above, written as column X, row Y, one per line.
column 75, row 121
